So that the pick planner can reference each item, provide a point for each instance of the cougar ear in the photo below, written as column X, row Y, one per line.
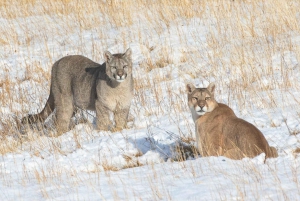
column 190, row 88
column 108, row 56
column 128, row 53
column 211, row 88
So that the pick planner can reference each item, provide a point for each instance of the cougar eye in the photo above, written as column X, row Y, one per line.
column 125, row 66
column 195, row 99
column 113, row 67
column 207, row 98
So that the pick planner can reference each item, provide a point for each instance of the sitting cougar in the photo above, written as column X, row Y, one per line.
column 219, row 132
column 77, row 81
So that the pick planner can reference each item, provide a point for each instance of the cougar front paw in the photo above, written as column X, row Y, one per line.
column 108, row 127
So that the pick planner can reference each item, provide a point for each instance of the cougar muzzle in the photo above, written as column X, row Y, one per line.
column 120, row 75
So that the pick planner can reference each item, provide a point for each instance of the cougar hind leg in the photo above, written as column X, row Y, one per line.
column 234, row 153
column 64, row 112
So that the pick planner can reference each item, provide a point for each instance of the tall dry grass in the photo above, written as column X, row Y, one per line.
column 241, row 40
column 239, row 50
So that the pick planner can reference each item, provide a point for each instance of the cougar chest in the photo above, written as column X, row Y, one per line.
column 201, row 125
column 115, row 98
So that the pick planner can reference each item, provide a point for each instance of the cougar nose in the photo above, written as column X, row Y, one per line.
column 120, row 73
column 201, row 104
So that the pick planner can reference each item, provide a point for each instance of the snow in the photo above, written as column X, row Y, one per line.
column 139, row 163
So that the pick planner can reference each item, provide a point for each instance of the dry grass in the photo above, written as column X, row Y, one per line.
column 242, row 38
column 245, row 54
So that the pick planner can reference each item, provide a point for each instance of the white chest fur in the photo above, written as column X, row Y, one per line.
column 115, row 98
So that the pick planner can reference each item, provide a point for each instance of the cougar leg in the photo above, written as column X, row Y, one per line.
column 121, row 117
column 64, row 111
column 235, row 154
column 103, row 122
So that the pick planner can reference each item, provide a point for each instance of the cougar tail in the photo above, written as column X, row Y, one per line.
column 41, row 117
column 272, row 153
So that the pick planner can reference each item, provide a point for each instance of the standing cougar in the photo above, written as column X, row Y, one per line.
column 77, row 81
column 219, row 132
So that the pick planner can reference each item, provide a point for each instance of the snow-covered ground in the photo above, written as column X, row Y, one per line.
column 257, row 75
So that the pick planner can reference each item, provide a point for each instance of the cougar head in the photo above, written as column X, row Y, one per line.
column 118, row 66
column 201, row 100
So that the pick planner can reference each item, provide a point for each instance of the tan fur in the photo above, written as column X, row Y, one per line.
column 77, row 81
column 194, row 92
column 219, row 132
